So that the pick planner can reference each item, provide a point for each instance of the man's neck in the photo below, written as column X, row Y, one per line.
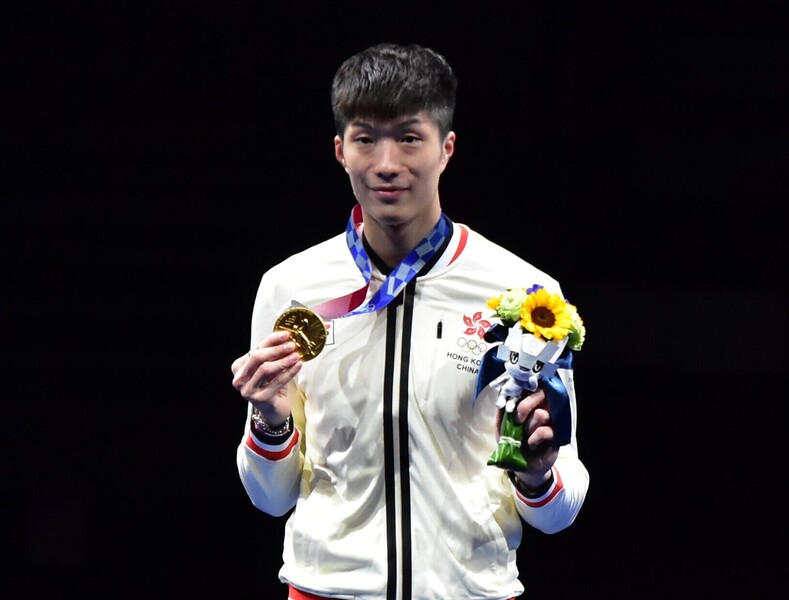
column 392, row 243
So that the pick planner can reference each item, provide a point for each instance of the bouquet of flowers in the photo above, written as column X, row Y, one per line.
column 542, row 331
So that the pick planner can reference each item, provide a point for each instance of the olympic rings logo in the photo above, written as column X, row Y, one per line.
column 473, row 346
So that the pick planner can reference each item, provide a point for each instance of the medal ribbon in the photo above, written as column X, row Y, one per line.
column 351, row 304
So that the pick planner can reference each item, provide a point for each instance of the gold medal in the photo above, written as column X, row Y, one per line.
column 306, row 329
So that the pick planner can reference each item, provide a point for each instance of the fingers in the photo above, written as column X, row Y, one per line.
column 273, row 341
column 529, row 403
column 268, row 366
column 532, row 411
column 273, row 347
column 539, row 435
column 267, row 384
column 275, row 373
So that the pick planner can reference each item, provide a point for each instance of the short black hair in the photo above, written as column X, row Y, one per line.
column 387, row 81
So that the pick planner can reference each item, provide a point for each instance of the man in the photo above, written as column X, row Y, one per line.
column 379, row 441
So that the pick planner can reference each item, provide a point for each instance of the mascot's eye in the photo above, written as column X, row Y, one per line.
column 514, row 357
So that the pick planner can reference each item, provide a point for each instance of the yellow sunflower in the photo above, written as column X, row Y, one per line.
column 546, row 315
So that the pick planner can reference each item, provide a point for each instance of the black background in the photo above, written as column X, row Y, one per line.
column 160, row 156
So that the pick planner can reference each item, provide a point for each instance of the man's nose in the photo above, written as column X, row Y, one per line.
column 387, row 164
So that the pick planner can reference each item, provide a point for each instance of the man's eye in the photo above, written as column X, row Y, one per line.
column 363, row 139
column 410, row 139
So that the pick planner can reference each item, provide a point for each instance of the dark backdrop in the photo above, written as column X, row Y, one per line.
column 161, row 158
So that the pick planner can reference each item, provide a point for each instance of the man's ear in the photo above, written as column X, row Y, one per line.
column 447, row 149
column 338, row 151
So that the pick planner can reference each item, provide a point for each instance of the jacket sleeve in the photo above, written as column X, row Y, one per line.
column 557, row 508
column 271, row 472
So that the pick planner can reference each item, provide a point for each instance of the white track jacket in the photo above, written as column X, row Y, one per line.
column 387, row 468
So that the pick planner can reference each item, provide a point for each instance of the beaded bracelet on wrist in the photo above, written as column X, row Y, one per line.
column 259, row 425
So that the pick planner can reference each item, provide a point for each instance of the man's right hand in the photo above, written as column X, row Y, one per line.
column 261, row 375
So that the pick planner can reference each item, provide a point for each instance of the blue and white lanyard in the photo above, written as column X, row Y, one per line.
column 399, row 277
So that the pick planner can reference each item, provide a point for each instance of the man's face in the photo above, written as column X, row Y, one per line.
column 394, row 167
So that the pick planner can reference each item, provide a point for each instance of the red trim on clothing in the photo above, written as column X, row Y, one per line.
column 461, row 243
column 294, row 594
column 557, row 487
column 273, row 454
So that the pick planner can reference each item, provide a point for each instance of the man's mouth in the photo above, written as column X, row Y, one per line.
column 388, row 191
